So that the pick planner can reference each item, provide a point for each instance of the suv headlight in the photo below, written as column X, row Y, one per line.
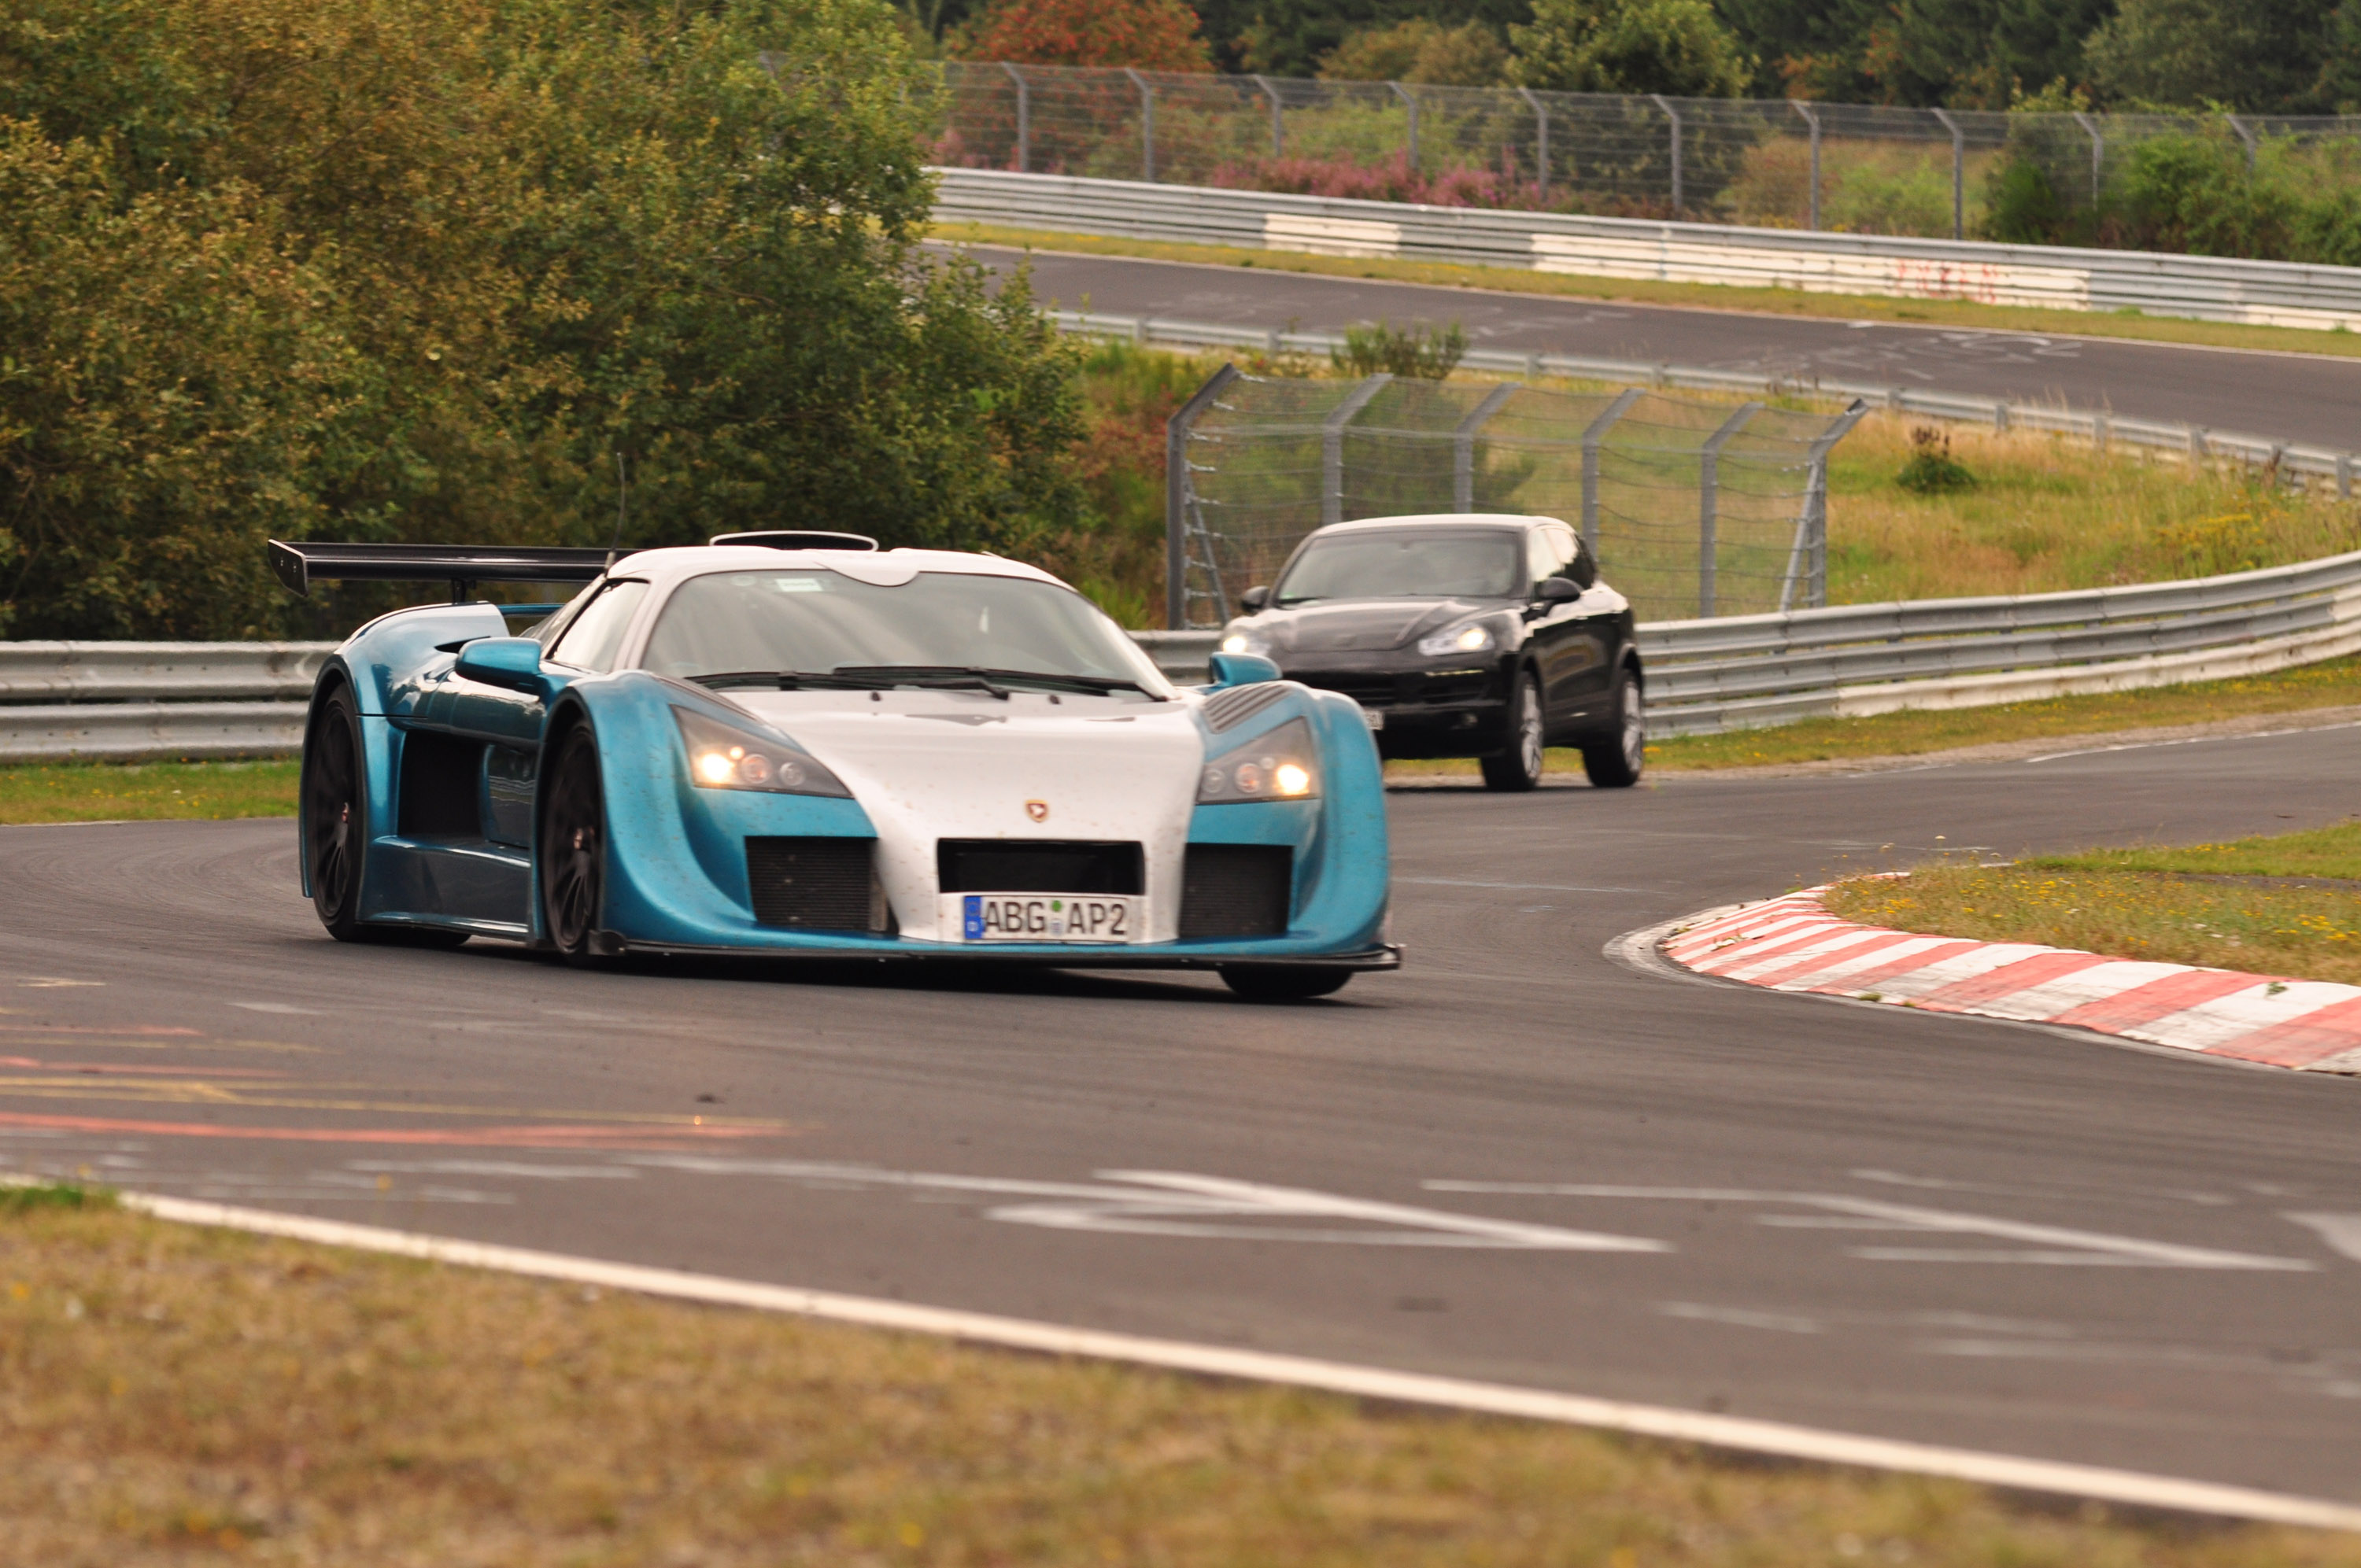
column 1472, row 638
column 1278, row 764
column 1247, row 642
column 722, row 756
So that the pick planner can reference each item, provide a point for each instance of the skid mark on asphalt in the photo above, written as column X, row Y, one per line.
column 2050, row 1245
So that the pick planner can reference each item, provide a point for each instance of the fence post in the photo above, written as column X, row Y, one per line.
column 1410, row 104
column 1147, row 125
column 1591, row 437
column 2098, row 152
column 1331, row 447
column 1675, row 117
column 1024, row 119
column 2245, row 136
column 1809, row 556
column 1541, row 137
column 1178, row 494
column 1463, row 446
column 2102, row 426
column 1812, row 119
column 2344, row 476
column 1278, row 121
column 1959, row 174
column 1708, row 495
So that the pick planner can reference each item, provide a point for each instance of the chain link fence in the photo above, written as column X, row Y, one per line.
column 1855, row 167
column 1693, row 508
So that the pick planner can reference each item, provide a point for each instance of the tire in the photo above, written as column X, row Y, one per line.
column 335, row 832
column 574, row 848
column 1285, row 982
column 336, row 817
column 1616, row 757
column 1519, row 767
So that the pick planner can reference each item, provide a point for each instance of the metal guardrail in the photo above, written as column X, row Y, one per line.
column 1734, row 671
column 2291, row 461
column 2206, row 288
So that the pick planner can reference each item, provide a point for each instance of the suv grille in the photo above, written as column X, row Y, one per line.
column 1236, row 890
column 1036, row 866
column 1362, row 686
column 816, row 884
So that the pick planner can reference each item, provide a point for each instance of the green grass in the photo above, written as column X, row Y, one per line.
column 146, row 792
column 178, row 1395
column 1706, row 296
column 2167, row 904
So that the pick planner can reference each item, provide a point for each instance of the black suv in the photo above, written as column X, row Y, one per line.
column 1461, row 635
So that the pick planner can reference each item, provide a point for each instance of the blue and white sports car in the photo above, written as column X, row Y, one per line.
column 799, row 744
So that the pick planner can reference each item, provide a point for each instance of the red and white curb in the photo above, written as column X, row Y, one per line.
column 1795, row 944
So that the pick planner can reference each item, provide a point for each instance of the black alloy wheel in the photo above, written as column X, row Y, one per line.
column 1615, row 756
column 335, row 831
column 1285, row 982
column 574, row 848
column 1519, row 767
column 336, row 817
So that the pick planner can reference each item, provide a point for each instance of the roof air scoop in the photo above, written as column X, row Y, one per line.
column 793, row 539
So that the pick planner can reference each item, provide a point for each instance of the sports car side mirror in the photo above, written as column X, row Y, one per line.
column 510, row 661
column 1241, row 669
column 1254, row 598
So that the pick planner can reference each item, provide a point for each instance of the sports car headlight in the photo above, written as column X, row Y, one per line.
column 1246, row 642
column 1279, row 764
column 722, row 756
column 1473, row 637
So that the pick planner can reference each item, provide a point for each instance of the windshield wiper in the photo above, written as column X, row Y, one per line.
column 994, row 680
column 951, row 678
column 777, row 680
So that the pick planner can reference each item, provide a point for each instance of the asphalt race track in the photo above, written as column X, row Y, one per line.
column 2296, row 397
column 1907, row 1225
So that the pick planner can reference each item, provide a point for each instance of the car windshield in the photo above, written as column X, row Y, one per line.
column 815, row 626
column 1460, row 563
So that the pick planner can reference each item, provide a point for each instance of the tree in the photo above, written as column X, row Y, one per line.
column 1148, row 35
column 1977, row 54
column 1677, row 47
column 419, row 269
column 2189, row 53
column 1288, row 38
column 1469, row 55
column 1807, row 49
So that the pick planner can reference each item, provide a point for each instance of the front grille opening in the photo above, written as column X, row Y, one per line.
column 1037, row 865
column 1236, row 890
column 816, row 885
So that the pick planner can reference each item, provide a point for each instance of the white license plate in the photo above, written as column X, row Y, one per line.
column 1040, row 917
column 1374, row 717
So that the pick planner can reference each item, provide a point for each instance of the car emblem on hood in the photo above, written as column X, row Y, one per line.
column 1039, row 810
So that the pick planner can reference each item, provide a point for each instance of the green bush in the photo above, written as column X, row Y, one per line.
column 1421, row 353
column 419, row 269
column 1931, row 470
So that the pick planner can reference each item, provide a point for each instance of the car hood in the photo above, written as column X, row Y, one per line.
column 1361, row 625
column 957, row 765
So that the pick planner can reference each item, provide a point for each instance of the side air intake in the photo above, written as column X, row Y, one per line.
column 816, row 885
column 1236, row 890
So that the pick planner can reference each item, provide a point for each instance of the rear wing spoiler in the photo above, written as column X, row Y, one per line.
column 462, row 565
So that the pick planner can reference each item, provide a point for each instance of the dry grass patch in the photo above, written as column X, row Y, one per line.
column 2170, row 906
column 2048, row 512
column 1701, row 296
column 146, row 792
column 174, row 1394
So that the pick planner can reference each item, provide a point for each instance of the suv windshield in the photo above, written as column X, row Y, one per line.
column 940, row 626
column 1460, row 563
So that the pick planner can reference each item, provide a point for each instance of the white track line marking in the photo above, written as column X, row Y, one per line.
column 2126, row 1487
column 2341, row 1231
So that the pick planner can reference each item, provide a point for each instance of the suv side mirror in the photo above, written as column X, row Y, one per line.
column 513, row 663
column 1254, row 598
column 1558, row 590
